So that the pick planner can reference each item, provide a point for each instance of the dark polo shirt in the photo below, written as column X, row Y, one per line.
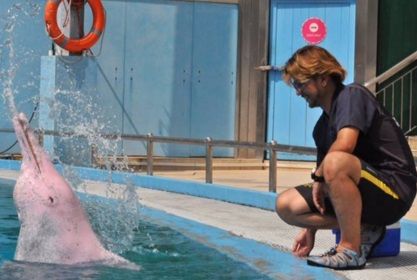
column 381, row 142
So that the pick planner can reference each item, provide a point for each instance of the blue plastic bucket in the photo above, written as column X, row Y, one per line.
column 389, row 246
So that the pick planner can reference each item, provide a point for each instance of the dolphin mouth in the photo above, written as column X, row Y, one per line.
column 26, row 139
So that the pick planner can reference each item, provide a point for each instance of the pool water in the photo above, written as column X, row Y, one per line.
column 161, row 252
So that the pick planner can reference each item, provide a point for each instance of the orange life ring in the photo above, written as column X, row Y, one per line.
column 75, row 45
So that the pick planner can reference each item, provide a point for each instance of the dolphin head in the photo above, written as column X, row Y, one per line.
column 45, row 202
column 39, row 182
column 27, row 141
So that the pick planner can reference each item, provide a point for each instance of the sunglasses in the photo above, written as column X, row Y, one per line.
column 299, row 86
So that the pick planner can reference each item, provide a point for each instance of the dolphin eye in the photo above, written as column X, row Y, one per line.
column 51, row 199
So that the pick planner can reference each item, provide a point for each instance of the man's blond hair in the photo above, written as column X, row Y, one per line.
column 310, row 62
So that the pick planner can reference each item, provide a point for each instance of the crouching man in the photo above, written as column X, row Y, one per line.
column 365, row 177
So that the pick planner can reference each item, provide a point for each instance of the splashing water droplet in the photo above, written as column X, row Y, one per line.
column 74, row 110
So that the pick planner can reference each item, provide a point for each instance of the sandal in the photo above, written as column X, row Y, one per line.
column 347, row 259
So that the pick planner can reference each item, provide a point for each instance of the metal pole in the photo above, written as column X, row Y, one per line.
column 41, row 135
column 273, row 167
column 77, row 20
column 149, row 153
column 94, row 155
column 209, row 161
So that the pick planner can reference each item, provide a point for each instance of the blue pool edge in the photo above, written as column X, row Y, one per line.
column 257, row 199
column 265, row 259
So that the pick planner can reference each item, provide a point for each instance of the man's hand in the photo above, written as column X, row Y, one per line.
column 318, row 196
column 304, row 243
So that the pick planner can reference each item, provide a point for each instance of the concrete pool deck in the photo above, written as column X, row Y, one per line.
column 262, row 226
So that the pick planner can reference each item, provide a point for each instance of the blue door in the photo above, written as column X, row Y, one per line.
column 290, row 120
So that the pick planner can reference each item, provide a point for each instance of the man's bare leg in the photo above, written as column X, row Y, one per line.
column 342, row 174
column 294, row 210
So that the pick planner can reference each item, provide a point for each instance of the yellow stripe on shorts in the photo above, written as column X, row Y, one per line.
column 378, row 183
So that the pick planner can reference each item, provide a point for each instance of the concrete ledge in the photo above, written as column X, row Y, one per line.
column 10, row 164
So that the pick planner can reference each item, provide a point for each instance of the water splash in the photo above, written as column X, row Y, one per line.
column 14, row 17
column 112, row 230
column 74, row 110
column 113, row 220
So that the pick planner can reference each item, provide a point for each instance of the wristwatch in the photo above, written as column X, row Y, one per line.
column 315, row 177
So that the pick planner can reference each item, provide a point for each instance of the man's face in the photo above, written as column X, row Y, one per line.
column 308, row 90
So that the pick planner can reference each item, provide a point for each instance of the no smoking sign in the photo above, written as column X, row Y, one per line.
column 314, row 30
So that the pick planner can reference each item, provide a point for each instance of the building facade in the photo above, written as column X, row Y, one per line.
column 190, row 69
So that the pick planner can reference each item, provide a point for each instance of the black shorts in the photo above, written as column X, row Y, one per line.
column 381, row 204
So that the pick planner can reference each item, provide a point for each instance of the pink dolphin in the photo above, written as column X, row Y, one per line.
column 54, row 227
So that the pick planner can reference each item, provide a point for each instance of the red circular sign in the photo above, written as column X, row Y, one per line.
column 314, row 30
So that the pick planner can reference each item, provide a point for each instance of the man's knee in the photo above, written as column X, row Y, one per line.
column 338, row 164
column 289, row 204
column 282, row 205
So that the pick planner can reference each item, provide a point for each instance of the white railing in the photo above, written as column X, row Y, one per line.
column 272, row 148
column 399, row 96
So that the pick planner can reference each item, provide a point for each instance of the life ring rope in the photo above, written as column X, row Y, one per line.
column 54, row 38
column 75, row 45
